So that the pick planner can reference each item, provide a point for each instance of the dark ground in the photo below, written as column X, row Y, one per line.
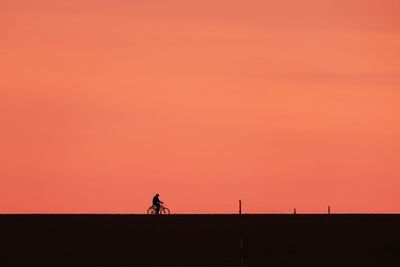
column 199, row 240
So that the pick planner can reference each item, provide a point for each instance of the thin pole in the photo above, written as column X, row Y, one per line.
column 241, row 235
column 329, row 209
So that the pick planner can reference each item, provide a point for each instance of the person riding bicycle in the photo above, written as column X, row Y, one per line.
column 157, row 202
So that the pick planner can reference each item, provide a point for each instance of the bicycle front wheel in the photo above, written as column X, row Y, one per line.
column 164, row 211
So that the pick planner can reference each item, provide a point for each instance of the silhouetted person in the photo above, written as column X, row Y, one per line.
column 157, row 202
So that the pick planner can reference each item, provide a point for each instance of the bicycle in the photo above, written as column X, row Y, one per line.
column 163, row 210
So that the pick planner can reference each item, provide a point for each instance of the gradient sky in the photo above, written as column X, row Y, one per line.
column 279, row 103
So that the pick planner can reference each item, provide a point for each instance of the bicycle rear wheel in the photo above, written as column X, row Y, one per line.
column 152, row 210
column 164, row 211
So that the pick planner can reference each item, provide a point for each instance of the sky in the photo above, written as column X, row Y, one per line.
column 282, row 104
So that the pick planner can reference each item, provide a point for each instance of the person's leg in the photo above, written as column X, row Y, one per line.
column 158, row 208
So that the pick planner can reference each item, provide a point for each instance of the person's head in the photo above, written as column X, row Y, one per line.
column 157, row 195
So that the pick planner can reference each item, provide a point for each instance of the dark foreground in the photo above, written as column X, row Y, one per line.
column 199, row 240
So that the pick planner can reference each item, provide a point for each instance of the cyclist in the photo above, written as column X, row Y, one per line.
column 157, row 202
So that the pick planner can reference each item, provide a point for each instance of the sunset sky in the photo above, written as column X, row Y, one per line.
column 283, row 104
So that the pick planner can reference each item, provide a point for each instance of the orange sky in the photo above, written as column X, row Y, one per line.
column 279, row 103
